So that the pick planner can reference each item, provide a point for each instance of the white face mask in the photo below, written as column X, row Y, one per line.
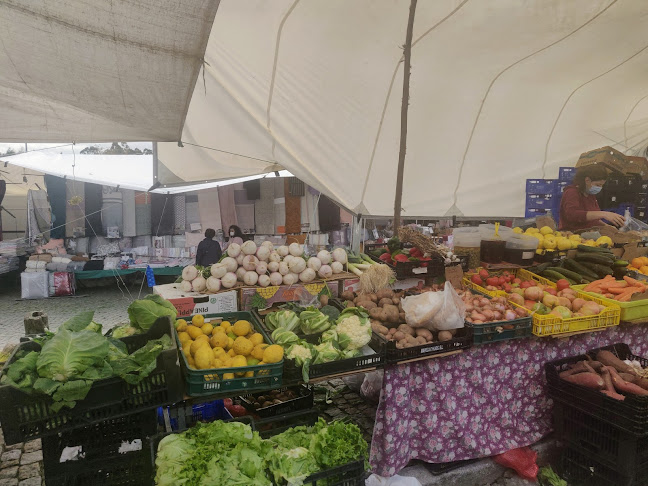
column 231, row 233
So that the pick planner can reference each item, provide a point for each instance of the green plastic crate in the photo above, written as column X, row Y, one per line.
column 210, row 381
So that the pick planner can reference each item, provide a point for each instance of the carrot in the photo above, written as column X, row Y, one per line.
column 625, row 296
column 609, row 296
column 617, row 284
column 633, row 282
column 617, row 290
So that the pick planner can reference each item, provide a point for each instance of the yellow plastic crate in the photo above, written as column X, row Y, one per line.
column 518, row 272
column 547, row 325
column 630, row 311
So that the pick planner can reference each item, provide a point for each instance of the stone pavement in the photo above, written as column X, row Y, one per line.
column 21, row 464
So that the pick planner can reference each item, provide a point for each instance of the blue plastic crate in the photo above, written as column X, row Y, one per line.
column 621, row 209
column 533, row 212
column 540, row 186
column 539, row 201
column 566, row 174
column 561, row 186
column 202, row 412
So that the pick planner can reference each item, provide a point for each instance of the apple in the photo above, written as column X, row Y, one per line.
column 550, row 300
column 550, row 290
column 561, row 311
column 565, row 302
column 519, row 292
column 562, row 284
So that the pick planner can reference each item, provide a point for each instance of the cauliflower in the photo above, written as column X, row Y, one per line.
column 299, row 353
column 353, row 328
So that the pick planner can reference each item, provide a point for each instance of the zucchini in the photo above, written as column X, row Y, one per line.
column 591, row 257
column 567, row 273
column 593, row 249
column 553, row 275
column 600, row 270
column 537, row 269
column 621, row 263
column 574, row 266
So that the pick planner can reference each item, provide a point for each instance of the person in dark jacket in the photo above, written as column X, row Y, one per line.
column 209, row 251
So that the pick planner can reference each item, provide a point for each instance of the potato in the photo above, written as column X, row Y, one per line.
column 399, row 335
column 401, row 317
column 400, row 307
column 347, row 295
column 367, row 304
column 421, row 340
column 324, row 300
column 349, row 303
column 453, row 332
column 424, row 333
column 406, row 329
column 373, row 297
column 266, row 404
column 384, row 301
column 378, row 327
column 378, row 314
column 396, row 300
column 385, row 294
column 445, row 335
column 391, row 313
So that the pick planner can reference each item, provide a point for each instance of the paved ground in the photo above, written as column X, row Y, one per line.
column 20, row 466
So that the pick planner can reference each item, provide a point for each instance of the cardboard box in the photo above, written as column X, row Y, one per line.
column 608, row 157
column 263, row 297
column 639, row 165
column 192, row 303
column 353, row 284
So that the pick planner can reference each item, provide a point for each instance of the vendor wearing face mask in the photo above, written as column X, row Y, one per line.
column 579, row 208
column 235, row 236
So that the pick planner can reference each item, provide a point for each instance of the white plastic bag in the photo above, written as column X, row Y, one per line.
column 396, row 480
column 371, row 386
column 440, row 311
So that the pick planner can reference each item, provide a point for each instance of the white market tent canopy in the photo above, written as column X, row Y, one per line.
column 500, row 91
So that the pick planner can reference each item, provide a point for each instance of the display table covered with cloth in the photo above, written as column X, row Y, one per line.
column 484, row 401
column 91, row 274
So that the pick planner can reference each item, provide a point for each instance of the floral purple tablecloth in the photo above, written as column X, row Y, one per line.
column 482, row 402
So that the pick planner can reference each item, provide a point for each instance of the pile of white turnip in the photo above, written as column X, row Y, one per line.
column 264, row 265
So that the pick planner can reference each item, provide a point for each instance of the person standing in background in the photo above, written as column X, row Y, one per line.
column 209, row 251
column 235, row 236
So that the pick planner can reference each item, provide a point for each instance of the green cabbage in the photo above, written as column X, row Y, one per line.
column 283, row 337
column 326, row 352
column 313, row 321
column 143, row 313
column 284, row 319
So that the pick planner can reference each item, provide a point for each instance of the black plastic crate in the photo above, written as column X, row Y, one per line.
column 630, row 414
column 102, row 463
column 579, row 468
column 492, row 332
column 303, row 401
column 462, row 340
column 607, row 443
column 267, row 427
column 25, row 417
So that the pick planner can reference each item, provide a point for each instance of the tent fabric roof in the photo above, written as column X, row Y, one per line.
column 500, row 92
column 74, row 70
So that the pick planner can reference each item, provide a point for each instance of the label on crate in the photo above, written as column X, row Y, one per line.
column 438, row 347
column 527, row 254
column 454, row 275
column 419, row 270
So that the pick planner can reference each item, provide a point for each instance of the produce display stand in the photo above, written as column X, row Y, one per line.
column 520, row 273
column 25, row 416
column 630, row 311
column 94, row 274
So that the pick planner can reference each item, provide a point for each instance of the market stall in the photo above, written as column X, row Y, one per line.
column 480, row 403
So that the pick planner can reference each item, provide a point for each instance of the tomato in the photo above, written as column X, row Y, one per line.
column 483, row 273
column 476, row 279
column 494, row 281
column 562, row 284
column 501, row 280
column 526, row 285
column 507, row 287
column 517, row 281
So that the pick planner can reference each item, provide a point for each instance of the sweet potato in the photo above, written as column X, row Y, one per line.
column 623, row 386
column 589, row 380
column 608, row 359
column 614, row 395
column 642, row 382
column 575, row 369
column 628, row 377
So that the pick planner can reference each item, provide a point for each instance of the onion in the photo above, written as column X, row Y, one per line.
column 234, row 250
column 250, row 262
column 283, row 269
column 199, row 284
column 288, row 259
column 307, row 276
column 264, row 280
column 189, row 273
column 276, row 278
column 250, row 278
column 269, row 244
column 324, row 256
column 239, row 259
column 185, row 286
column 218, row 270
column 240, row 273
column 213, row 284
column 337, row 267
column 230, row 264
column 275, row 257
column 325, row 271
column 283, row 250
column 289, row 279
column 262, row 268
column 249, row 248
column 497, row 316
column 297, row 265
column 314, row 263
column 296, row 249
column 263, row 253
column 509, row 315
column 339, row 255
column 273, row 266
column 229, row 280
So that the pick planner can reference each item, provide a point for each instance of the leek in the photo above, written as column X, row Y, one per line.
column 354, row 269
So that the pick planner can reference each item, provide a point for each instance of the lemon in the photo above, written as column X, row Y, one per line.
column 604, row 240
column 219, row 339
column 589, row 243
column 532, row 230
column 193, row 331
column 273, row 353
column 256, row 338
column 196, row 345
column 546, row 230
column 207, row 329
column 242, row 346
column 202, row 337
column 217, row 363
column 181, row 325
column 228, row 376
column 231, row 335
column 198, row 320
column 539, row 237
column 257, row 352
column 186, row 349
column 518, row 230
column 557, row 234
column 227, row 361
column 252, row 361
column 226, row 325
column 183, row 336
column 249, row 374
column 219, row 352
column 563, row 243
column 238, row 361
column 549, row 242
column 230, row 343
column 241, row 328
column 203, row 358
column 191, row 362
column 231, row 353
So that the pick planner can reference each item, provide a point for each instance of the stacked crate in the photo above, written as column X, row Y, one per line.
column 624, row 192
column 542, row 197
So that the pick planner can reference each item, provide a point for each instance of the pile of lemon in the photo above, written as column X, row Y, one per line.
column 550, row 240
column 225, row 345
